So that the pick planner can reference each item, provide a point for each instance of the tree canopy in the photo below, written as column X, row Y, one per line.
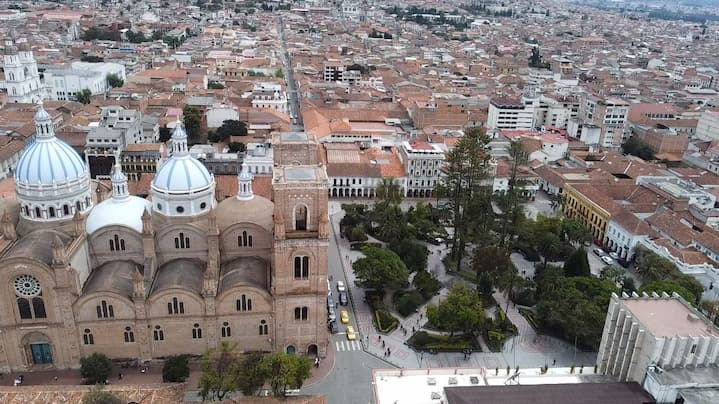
column 192, row 118
column 84, row 96
column 229, row 128
column 95, row 368
column 97, row 395
column 113, row 80
column 380, row 269
column 285, row 371
column 668, row 287
column 220, row 372
column 577, row 264
column 639, row 148
column 462, row 310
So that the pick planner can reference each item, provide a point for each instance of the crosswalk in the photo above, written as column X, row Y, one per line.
column 348, row 346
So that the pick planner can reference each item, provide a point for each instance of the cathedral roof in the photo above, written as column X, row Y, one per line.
column 249, row 270
column 257, row 210
column 181, row 274
column 37, row 245
column 122, row 212
column 113, row 276
column 181, row 173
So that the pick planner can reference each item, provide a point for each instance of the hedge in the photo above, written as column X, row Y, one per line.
column 424, row 341
column 529, row 315
column 385, row 321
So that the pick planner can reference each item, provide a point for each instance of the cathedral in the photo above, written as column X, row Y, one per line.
column 176, row 273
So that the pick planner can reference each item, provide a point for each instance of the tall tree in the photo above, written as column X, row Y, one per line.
column 577, row 264
column 221, row 369
column 95, row 368
column 380, row 269
column 251, row 377
column 466, row 180
column 285, row 371
column 511, row 206
column 192, row 119
column 113, row 80
column 462, row 310
column 389, row 192
column 84, row 96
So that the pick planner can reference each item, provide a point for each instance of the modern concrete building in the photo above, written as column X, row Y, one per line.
column 648, row 338
column 118, row 128
column 708, row 126
column 505, row 113
column 67, row 83
column 423, row 162
column 610, row 115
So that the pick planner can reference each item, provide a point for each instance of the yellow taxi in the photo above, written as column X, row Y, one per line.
column 344, row 317
column 351, row 334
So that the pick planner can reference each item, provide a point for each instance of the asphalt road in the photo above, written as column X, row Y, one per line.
column 296, row 125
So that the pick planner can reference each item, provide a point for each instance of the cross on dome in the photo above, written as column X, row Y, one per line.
column 245, row 184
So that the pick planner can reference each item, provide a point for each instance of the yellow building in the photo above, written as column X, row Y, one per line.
column 584, row 202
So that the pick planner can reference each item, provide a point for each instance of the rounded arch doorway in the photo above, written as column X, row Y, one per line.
column 312, row 350
column 38, row 348
column 290, row 349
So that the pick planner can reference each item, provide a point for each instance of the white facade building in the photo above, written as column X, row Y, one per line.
column 511, row 114
column 708, row 126
column 269, row 95
column 66, row 84
column 259, row 159
column 423, row 162
column 22, row 79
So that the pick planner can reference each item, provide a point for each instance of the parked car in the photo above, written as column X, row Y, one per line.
column 343, row 298
column 607, row 260
column 332, row 326
column 331, row 315
column 344, row 317
column 330, row 302
column 599, row 252
column 351, row 335
column 614, row 255
column 329, row 288
column 341, row 286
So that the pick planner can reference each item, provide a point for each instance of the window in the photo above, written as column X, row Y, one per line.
column 196, row 331
column 694, row 348
column 87, row 337
column 244, row 240
column 104, row 310
column 244, row 303
column 52, row 211
column 302, row 267
column 203, row 205
column 129, row 335
column 180, row 209
column 23, row 306
column 65, row 210
column 263, row 328
column 301, row 313
column 301, row 217
column 37, row 212
column 158, row 334
column 226, row 331
column 117, row 243
column 175, row 307
column 181, row 241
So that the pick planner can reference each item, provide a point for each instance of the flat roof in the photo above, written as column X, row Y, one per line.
column 300, row 174
column 577, row 393
column 669, row 318
column 293, row 136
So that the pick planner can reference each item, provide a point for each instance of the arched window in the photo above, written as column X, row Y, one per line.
column 300, row 217
column 38, row 307
column 23, row 306
column 87, row 337
column 26, row 210
column 244, row 303
column 182, row 242
column 226, row 331
column 37, row 212
column 105, row 310
column 196, row 331
column 302, row 267
column 78, row 206
column 301, row 313
column 263, row 327
column 244, row 240
column 175, row 306
column 51, row 210
column 65, row 210
column 158, row 334
column 129, row 335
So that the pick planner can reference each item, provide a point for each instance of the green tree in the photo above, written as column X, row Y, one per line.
column 114, row 81
column 192, row 118
column 392, row 223
column 229, row 128
column 157, row 35
column 165, row 134
column 511, row 206
column 176, row 369
column 575, row 232
column 95, row 368
column 628, row 285
column 135, row 37
column 612, row 273
column 279, row 74
column 285, row 371
column 380, row 269
column 84, row 96
column 464, row 186
column 668, row 287
column 577, row 264
column 221, row 370
column 251, row 377
column 639, row 148
column 97, row 395
column 388, row 192
column 215, row 85
column 236, row 147
column 358, row 233
column 462, row 310
column 413, row 254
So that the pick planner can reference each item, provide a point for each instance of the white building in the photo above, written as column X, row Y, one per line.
column 22, row 79
column 624, row 232
column 423, row 162
column 259, row 159
column 556, row 111
column 269, row 95
column 219, row 113
column 587, row 133
column 117, row 128
column 708, row 126
column 661, row 342
column 66, row 84
column 511, row 114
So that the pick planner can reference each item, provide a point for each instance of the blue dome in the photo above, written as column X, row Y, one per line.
column 49, row 161
column 182, row 174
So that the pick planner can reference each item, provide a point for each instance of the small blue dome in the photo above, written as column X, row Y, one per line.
column 182, row 174
column 49, row 161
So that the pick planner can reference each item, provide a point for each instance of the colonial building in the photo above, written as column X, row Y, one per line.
column 180, row 273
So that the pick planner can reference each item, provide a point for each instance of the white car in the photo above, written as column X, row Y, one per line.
column 599, row 252
column 607, row 260
column 614, row 255
column 341, row 286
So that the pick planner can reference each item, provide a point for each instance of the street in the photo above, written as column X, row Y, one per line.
column 296, row 123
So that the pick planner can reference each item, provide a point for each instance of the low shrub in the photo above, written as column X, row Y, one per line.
column 408, row 302
column 529, row 315
column 385, row 321
column 423, row 341
column 176, row 369
column 524, row 297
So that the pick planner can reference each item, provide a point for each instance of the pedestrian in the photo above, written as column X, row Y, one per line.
column 119, row 376
column 54, row 378
column 382, row 344
column 413, row 330
column 389, row 353
column 554, row 362
column 379, row 338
